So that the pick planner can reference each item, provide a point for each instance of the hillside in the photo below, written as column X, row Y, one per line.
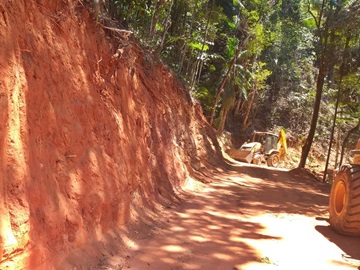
column 94, row 130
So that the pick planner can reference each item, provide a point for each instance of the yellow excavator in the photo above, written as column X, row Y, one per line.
column 262, row 147
column 344, row 203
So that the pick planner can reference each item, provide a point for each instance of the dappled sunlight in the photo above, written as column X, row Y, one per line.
column 177, row 229
column 131, row 244
column 236, row 238
column 9, row 238
column 213, row 225
column 198, row 238
column 244, row 222
column 14, row 165
column 183, row 215
column 221, row 256
column 74, row 184
column 173, row 248
column 224, row 215
column 169, row 261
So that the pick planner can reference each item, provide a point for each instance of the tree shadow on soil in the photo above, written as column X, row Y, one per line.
column 205, row 231
column 211, row 228
column 273, row 190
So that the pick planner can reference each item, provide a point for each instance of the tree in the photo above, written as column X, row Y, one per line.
column 322, row 16
column 330, row 35
column 252, row 63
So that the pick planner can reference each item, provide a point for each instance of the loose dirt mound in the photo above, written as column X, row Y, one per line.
column 93, row 128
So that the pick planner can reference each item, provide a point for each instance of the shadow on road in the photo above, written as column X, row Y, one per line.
column 350, row 245
column 245, row 217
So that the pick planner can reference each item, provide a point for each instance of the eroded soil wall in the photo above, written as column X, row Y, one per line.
column 91, row 126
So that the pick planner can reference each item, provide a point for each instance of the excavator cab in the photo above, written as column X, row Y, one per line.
column 268, row 141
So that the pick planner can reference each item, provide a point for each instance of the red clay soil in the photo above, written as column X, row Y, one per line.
column 106, row 163
column 93, row 128
column 248, row 217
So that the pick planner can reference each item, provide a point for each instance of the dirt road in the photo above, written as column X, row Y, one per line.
column 247, row 218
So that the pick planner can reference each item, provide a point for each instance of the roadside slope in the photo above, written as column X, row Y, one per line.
column 92, row 129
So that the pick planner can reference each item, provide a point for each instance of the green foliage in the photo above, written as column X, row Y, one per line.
column 261, row 74
column 277, row 65
column 198, row 46
column 205, row 97
column 232, row 43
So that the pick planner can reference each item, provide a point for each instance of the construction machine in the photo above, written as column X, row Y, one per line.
column 262, row 147
column 344, row 203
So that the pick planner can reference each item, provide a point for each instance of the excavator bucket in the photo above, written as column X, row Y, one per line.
column 245, row 153
column 240, row 155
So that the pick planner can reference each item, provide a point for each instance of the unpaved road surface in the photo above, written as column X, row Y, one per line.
column 246, row 218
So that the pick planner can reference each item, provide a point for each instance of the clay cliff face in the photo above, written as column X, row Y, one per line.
column 91, row 127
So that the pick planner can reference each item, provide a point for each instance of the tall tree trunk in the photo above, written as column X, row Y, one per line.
column 338, row 138
column 223, row 121
column 248, row 109
column 332, row 130
column 193, row 74
column 184, row 48
column 197, row 72
column 323, row 67
column 167, row 24
column 309, row 140
column 337, row 104
column 155, row 17
column 226, row 77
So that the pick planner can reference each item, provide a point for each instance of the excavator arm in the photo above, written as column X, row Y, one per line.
column 281, row 145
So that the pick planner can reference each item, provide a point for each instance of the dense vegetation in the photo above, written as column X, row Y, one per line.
column 260, row 64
